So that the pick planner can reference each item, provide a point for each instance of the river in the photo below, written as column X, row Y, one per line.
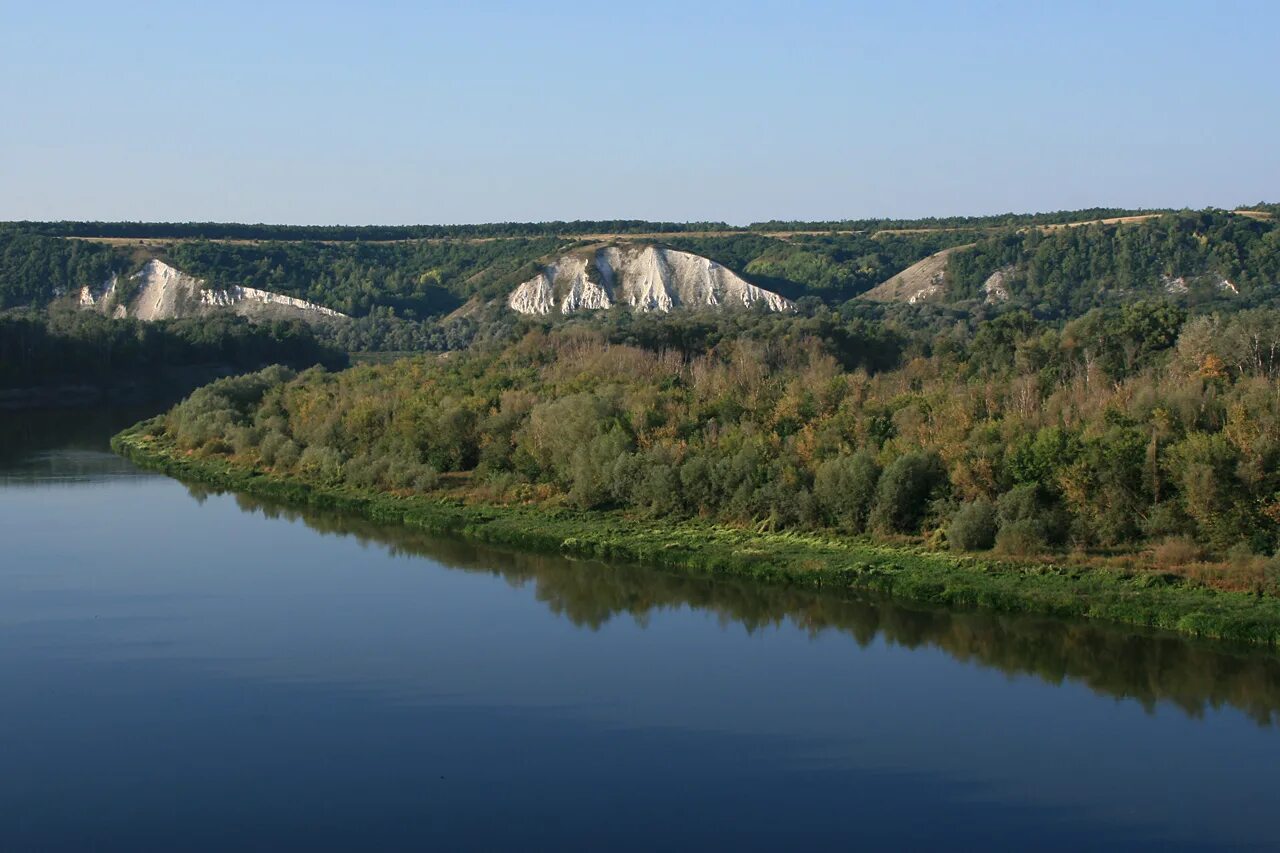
column 189, row 670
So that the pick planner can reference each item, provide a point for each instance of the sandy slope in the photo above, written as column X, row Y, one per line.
column 921, row 280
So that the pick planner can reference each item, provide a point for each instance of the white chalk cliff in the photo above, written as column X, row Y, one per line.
column 165, row 293
column 645, row 278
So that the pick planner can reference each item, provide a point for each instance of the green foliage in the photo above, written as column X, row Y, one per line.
column 208, row 418
column 845, row 488
column 831, row 267
column 1037, row 458
column 84, row 347
column 1204, row 467
column 36, row 269
column 1032, row 510
column 1114, row 432
column 1024, row 538
column 907, row 487
column 973, row 527
column 1065, row 272
column 413, row 279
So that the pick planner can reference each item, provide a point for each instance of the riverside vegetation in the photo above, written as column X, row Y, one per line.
column 1122, row 465
column 1110, row 406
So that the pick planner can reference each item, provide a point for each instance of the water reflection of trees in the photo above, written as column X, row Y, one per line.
column 1146, row 667
column 46, row 447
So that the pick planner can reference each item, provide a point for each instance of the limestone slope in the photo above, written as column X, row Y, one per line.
column 644, row 278
column 162, row 292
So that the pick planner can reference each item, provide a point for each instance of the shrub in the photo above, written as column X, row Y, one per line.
column 973, row 527
column 1020, row 539
column 697, row 485
column 288, row 454
column 425, row 479
column 591, row 468
column 1271, row 575
column 1177, row 551
column 1020, row 503
column 364, row 471
column 845, row 488
column 243, row 438
column 905, row 490
column 269, row 447
column 321, row 462
column 1167, row 521
column 1027, row 503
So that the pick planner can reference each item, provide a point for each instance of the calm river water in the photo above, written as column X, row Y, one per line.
column 183, row 670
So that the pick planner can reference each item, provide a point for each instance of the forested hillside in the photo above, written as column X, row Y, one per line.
column 429, row 287
column 37, row 348
column 831, row 268
column 416, row 279
column 415, row 273
column 1132, row 434
column 35, row 270
column 1213, row 258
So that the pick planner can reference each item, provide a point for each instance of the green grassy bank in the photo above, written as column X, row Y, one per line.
column 1147, row 599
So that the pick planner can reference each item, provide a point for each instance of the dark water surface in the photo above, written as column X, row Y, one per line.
column 182, row 670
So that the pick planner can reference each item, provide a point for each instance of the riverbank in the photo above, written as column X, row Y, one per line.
column 1145, row 599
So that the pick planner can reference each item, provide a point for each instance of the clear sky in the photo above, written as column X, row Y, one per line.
column 316, row 112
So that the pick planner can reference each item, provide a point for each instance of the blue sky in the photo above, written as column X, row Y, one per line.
column 738, row 111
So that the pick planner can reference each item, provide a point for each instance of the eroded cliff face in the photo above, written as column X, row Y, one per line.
column 644, row 278
column 165, row 293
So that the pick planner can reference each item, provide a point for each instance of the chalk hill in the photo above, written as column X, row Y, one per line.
column 644, row 278
column 160, row 292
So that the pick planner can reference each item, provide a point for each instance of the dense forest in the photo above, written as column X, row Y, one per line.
column 84, row 347
column 1207, row 259
column 830, row 267
column 415, row 279
column 35, row 270
column 1133, row 430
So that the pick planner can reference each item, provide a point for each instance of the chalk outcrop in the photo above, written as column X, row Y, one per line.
column 996, row 287
column 644, row 278
column 162, row 292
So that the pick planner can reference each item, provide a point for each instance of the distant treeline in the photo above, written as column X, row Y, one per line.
column 84, row 347
column 263, row 231
column 998, row 220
